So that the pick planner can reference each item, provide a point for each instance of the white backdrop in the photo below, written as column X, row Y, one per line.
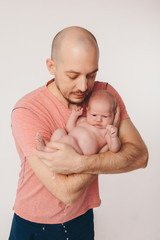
column 129, row 37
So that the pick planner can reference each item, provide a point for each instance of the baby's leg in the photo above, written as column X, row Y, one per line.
column 41, row 143
column 58, row 134
column 70, row 140
column 61, row 135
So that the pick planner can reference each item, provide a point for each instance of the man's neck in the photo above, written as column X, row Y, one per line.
column 52, row 87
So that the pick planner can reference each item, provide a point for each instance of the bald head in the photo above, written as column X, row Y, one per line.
column 72, row 36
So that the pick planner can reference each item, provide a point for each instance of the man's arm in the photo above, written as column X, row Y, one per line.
column 25, row 125
column 66, row 188
column 133, row 155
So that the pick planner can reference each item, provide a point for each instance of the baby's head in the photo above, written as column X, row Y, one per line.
column 101, row 109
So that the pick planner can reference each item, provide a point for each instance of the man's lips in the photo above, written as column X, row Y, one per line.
column 80, row 95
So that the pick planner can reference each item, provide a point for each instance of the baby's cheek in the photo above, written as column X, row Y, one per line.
column 89, row 120
column 108, row 122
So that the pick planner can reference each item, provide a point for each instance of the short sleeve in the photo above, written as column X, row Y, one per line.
column 124, row 114
column 25, row 124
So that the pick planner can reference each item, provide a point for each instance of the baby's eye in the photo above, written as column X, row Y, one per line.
column 93, row 115
column 105, row 116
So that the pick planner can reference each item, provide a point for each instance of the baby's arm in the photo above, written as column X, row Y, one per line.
column 72, row 121
column 112, row 138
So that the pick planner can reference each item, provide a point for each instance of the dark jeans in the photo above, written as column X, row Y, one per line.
column 80, row 228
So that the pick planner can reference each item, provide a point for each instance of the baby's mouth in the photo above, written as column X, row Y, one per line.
column 98, row 125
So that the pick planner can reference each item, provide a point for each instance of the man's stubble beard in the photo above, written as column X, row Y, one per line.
column 70, row 101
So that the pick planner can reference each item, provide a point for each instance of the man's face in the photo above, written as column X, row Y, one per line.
column 76, row 72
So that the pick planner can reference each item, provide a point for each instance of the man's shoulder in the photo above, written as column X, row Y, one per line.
column 30, row 98
column 104, row 85
column 99, row 85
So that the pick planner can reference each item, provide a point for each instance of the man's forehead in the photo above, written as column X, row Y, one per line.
column 77, row 72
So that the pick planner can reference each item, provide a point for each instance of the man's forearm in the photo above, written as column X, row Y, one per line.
column 129, row 158
column 132, row 155
column 69, row 188
column 76, row 184
column 66, row 188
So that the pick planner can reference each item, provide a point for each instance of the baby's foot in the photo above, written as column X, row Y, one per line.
column 40, row 142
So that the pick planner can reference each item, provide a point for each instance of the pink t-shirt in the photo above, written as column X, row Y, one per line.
column 41, row 112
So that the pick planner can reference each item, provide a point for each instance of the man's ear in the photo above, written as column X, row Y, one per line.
column 51, row 66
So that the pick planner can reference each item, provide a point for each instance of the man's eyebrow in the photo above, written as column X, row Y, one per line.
column 72, row 71
column 96, row 70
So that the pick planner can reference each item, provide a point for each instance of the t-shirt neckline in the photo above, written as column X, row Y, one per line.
column 53, row 97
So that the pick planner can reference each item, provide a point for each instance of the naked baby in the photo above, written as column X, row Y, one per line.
column 87, row 135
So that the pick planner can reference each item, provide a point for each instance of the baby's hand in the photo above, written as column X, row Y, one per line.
column 77, row 111
column 112, row 131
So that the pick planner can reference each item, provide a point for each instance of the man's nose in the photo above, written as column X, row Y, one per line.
column 83, row 84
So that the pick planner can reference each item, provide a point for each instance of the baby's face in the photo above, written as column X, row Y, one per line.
column 100, row 114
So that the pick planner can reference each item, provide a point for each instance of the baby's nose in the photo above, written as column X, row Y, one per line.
column 99, row 118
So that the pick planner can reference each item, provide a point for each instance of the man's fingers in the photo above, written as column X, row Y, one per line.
column 116, row 121
column 43, row 155
column 49, row 155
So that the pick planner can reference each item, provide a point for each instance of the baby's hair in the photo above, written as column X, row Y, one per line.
column 106, row 93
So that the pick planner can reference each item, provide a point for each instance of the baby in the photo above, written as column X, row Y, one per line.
column 87, row 135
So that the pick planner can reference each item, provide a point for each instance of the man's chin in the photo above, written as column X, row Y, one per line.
column 76, row 101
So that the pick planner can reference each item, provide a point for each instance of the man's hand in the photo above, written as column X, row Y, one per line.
column 117, row 118
column 64, row 160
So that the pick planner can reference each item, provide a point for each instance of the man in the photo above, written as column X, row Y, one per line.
column 60, row 207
